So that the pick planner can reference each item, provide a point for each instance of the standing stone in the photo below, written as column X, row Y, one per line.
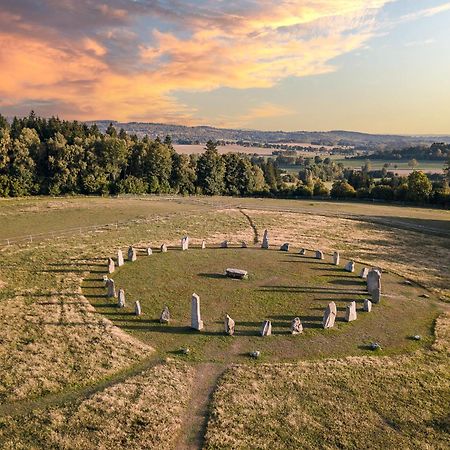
column 203, row 244
column 105, row 279
column 121, row 300
column 266, row 329
column 364, row 272
column 196, row 321
column 319, row 254
column 111, row 288
column 111, row 265
column 149, row 251
column 376, row 295
column 350, row 312
column 350, row 267
column 185, row 243
column 285, row 247
column 302, row 252
column 224, row 244
column 367, row 305
column 137, row 308
column 374, row 285
column 243, row 244
column 229, row 325
column 120, row 261
column 296, row 326
column 336, row 258
column 329, row 315
column 165, row 315
column 163, row 248
column 132, row 256
column 265, row 241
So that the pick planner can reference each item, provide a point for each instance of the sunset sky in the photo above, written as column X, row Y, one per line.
column 367, row 65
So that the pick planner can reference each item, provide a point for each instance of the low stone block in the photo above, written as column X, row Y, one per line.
column 364, row 272
column 350, row 267
column 319, row 254
column 165, row 315
column 285, row 247
column 350, row 312
column 302, row 252
column 296, row 326
column 224, row 244
column 236, row 273
column 367, row 305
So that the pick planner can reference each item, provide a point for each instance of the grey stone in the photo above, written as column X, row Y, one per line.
column 374, row 285
column 302, row 252
column 243, row 244
column 336, row 258
column 350, row 312
column 185, row 351
column 105, row 279
column 266, row 329
column 203, row 244
column 285, row 247
column 196, row 320
column 185, row 243
column 329, row 315
column 132, row 255
column 120, row 261
column 236, row 273
column 111, row 265
column 375, row 346
column 165, row 315
column 163, row 248
column 137, row 308
column 265, row 241
column 350, row 267
column 364, row 272
column 417, row 337
column 367, row 305
column 424, row 296
column 111, row 288
column 319, row 254
column 296, row 326
column 224, row 244
column 376, row 295
column 408, row 283
column 149, row 251
column 229, row 325
column 255, row 354
column 121, row 299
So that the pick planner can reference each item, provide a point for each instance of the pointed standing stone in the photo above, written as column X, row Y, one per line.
column 364, row 272
column 149, row 251
column 265, row 241
column 296, row 326
column 285, row 247
column 229, row 325
column 350, row 267
column 132, row 256
column 121, row 299
column 302, row 252
column 319, row 254
column 111, row 288
column 266, row 329
column 165, row 315
column 196, row 320
column 137, row 308
column 350, row 312
column 203, row 244
column 367, row 305
column 224, row 244
column 336, row 258
column 185, row 243
column 243, row 244
column 120, row 261
column 111, row 265
column 329, row 315
column 163, row 248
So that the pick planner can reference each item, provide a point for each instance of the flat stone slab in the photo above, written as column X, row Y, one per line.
column 236, row 273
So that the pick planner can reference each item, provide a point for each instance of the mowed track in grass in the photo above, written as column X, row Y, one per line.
column 281, row 286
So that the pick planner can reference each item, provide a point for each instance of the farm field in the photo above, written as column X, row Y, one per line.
column 232, row 148
column 402, row 168
column 77, row 372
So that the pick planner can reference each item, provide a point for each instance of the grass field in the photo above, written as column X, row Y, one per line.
column 75, row 375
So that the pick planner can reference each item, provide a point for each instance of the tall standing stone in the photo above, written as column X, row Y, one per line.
column 165, row 315
column 336, row 258
column 196, row 320
column 296, row 326
column 111, row 265
column 265, row 241
column 364, row 272
column 229, row 325
column 319, row 254
column 137, row 308
column 350, row 312
column 329, row 315
column 203, row 244
column 163, row 248
column 285, row 247
column 350, row 267
column 120, row 261
column 266, row 329
column 374, row 285
column 111, row 288
column 132, row 256
column 121, row 299
column 367, row 305
column 185, row 243
column 149, row 251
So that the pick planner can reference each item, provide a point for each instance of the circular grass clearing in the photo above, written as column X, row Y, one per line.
column 280, row 287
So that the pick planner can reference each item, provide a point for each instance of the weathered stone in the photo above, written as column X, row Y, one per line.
column 336, row 258
column 266, row 329
column 196, row 320
column 408, row 283
column 229, row 325
column 376, row 295
column 132, row 255
column 105, row 279
column 185, row 243
column 285, row 247
column 165, row 315
column 111, row 288
column 319, row 254
column 121, row 299
column 224, row 244
column 350, row 267
column 236, row 273
column 120, row 261
column 329, row 315
column 364, row 272
column 375, row 346
column 367, row 305
column 163, row 248
column 373, row 280
column 424, row 296
column 185, row 351
column 243, row 244
column 265, row 241
column 296, row 326
column 255, row 354
column 302, row 252
column 149, row 251
column 417, row 337
column 350, row 312
column 203, row 245
column 111, row 265
column 137, row 308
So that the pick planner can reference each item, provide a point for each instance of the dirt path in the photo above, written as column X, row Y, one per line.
column 252, row 224
column 194, row 426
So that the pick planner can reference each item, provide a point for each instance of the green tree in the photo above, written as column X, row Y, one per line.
column 211, row 171
column 158, row 167
column 413, row 163
column 183, row 175
column 342, row 189
column 419, row 186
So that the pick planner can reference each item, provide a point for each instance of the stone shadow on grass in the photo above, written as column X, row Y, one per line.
column 217, row 276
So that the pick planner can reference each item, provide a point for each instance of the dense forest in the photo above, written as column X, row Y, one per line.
column 41, row 156
column 434, row 152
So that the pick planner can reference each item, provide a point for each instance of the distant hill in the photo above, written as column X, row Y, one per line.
column 181, row 134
